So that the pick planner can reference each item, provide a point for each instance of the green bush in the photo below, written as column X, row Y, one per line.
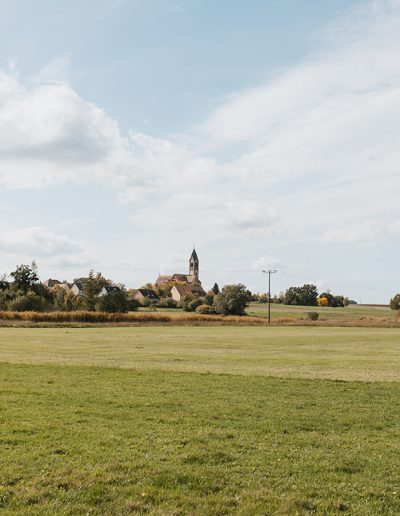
column 166, row 302
column 313, row 316
column 113, row 302
column 132, row 305
column 29, row 303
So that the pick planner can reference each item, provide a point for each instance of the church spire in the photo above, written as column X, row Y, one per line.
column 194, row 265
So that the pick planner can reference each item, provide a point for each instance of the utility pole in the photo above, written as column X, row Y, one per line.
column 269, row 272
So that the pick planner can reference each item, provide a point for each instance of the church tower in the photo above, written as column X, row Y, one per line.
column 194, row 266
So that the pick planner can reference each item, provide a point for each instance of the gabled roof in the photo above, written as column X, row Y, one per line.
column 189, row 289
column 111, row 288
column 148, row 292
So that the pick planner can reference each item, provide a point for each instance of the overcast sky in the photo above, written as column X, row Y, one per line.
column 267, row 133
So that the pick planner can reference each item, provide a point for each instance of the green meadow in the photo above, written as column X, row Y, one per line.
column 199, row 420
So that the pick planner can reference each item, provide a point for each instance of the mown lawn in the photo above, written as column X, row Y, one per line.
column 80, row 438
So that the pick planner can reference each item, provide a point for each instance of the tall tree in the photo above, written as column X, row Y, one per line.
column 90, row 292
column 25, row 277
column 232, row 300
column 215, row 288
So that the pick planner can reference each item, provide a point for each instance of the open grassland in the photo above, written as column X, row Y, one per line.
column 350, row 313
column 199, row 420
column 337, row 353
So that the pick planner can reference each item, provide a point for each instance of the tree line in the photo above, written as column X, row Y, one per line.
column 26, row 293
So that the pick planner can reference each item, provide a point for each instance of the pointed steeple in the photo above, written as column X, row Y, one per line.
column 194, row 265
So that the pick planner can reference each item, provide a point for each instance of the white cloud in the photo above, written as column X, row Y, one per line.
column 40, row 242
column 320, row 140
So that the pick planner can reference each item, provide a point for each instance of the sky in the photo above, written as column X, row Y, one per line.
column 265, row 133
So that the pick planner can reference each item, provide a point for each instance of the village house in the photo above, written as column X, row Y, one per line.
column 51, row 283
column 109, row 289
column 77, row 288
column 142, row 294
column 179, row 292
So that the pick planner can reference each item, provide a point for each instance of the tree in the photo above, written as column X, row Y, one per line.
column 215, row 288
column 306, row 295
column 90, row 292
column 330, row 300
column 209, row 299
column 4, row 284
column 59, row 294
column 395, row 302
column 232, row 300
column 323, row 301
column 115, row 301
column 25, row 277
column 29, row 302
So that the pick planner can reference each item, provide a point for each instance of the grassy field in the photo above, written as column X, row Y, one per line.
column 199, row 420
column 306, row 352
column 352, row 312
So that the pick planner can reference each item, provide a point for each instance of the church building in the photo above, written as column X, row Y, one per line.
column 187, row 283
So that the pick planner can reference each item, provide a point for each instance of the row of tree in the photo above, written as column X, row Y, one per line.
column 306, row 295
column 26, row 293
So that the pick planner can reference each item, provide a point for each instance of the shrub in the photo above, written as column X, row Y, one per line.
column 132, row 305
column 28, row 303
column 166, row 302
column 113, row 302
column 313, row 316
column 195, row 303
column 186, row 303
column 205, row 310
column 147, row 302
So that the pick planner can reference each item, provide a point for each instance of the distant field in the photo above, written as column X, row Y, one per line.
column 199, row 420
column 351, row 312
